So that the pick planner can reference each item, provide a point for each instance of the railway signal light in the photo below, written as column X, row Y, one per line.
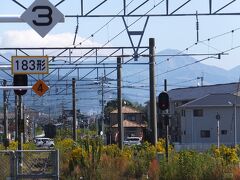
column 163, row 100
column 20, row 80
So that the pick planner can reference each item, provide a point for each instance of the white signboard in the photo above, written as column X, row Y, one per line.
column 42, row 16
column 29, row 64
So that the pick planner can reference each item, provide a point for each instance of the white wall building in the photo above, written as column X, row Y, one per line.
column 199, row 120
column 193, row 115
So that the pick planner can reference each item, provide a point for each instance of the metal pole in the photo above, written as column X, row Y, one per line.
column 235, row 125
column 5, row 114
column 166, row 119
column 218, row 130
column 153, row 116
column 74, row 108
column 218, row 134
column 119, row 94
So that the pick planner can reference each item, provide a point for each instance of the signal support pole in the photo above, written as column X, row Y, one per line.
column 20, row 122
column 153, row 116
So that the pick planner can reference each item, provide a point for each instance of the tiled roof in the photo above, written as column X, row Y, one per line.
column 214, row 100
column 127, row 109
column 192, row 93
column 127, row 123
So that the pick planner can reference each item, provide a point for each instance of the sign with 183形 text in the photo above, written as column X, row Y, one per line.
column 29, row 65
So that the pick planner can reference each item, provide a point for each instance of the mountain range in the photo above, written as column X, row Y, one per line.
column 180, row 71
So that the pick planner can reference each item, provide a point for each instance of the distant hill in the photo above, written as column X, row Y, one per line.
column 175, row 69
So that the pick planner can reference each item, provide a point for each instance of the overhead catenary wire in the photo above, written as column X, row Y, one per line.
column 119, row 32
column 124, row 28
column 170, row 57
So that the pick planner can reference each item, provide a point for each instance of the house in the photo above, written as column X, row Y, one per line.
column 199, row 119
column 180, row 96
column 133, row 122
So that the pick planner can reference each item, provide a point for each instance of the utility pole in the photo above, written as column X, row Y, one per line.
column 153, row 116
column 102, row 124
column 119, row 95
column 5, row 114
column 74, row 135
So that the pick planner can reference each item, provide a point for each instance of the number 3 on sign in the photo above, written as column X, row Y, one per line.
column 40, row 87
column 47, row 15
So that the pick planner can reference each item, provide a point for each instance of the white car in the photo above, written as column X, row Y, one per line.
column 44, row 142
column 132, row 141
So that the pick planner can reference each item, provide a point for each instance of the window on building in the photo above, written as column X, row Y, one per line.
column 183, row 113
column 197, row 112
column 224, row 132
column 205, row 133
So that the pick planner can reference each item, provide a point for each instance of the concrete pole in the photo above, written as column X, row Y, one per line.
column 74, row 135
column 119, row 95
column 153, row 114
column 102, row 123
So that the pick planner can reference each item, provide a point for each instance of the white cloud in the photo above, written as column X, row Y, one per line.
column 29, row 38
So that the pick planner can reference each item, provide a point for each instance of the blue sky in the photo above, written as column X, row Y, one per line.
column 169, row 32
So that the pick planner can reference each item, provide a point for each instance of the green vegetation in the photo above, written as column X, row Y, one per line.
column 90, row 159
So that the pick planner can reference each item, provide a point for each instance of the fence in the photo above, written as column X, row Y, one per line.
column 29, row 164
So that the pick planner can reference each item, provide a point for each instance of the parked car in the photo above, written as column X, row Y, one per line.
column 132, row 141
column 44, row 142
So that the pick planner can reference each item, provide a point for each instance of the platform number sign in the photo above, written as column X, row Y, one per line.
column 29, row 65
column 42, row 16
column 40, row 87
